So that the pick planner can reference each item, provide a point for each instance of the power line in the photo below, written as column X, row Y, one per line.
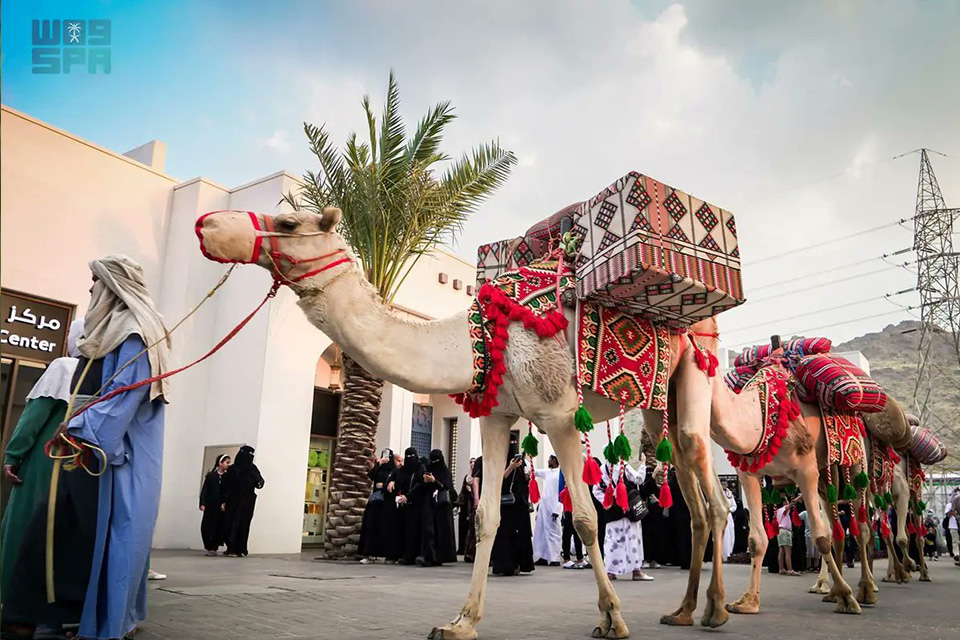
column 823, row 243
column 837, row 268
column 826, row 326
column 818, row 311
column 846, row 279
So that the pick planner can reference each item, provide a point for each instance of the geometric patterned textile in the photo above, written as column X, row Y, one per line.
column 754, row 356
column 777, row 409
column 656, row 251
column 925, row 447
column 527, row 295
column 840, row 384
column 882, row 460
column 844, row 433
column 496, row 258
column 623, row 357
column 915, row 477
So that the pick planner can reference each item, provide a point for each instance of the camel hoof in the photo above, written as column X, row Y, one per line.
column 829, row 598
column 866, row 595
column 925, row 578
column 716, row 618
column 677, row 620
column 847, row 604
column 876, row 589
column 748, row 603
column 822, row 587
column 454, row 631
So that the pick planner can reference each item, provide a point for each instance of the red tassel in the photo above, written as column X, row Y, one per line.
column 591, row 472
column 862, row 514
column 854, row 528
column 666, row 498
column 775, row 524
column 768, row 527
column 621, row 496
column 838, row 531
column 923, row 531
column 566, row 500
column 608, row 497
column 911, row 528
column 795, row 518
column 534, row 490
column 885, row 528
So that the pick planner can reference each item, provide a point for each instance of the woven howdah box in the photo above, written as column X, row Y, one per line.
column 496, row 258
column 657, row 251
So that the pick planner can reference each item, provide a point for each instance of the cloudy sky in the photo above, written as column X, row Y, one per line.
column 788, row 114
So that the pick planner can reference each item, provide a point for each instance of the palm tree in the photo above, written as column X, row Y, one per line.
column 397, row 206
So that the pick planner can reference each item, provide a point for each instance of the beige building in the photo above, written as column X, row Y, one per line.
column 66, row 201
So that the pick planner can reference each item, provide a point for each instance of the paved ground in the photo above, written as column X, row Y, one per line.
column 297, row 597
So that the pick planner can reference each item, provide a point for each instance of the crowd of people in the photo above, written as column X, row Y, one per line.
column 409, row 518
column 227, row 499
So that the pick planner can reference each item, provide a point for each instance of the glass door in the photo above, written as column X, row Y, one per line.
column 319, row 463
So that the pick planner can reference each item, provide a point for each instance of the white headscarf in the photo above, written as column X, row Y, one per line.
column 120, row 307
column 55, row 381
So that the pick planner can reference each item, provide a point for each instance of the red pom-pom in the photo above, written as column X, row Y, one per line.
column 862, row 514
column 534, row 490
column 591, row 472
column 776, row 525
column 608, row 497
column 923, row 531
column 666, row 497
column 911, row 528
column 768, row 527
column 854, row 528
column 621, row 496
column 795, row 518
column 566, row 500
column 838, row 531
column 885, row 528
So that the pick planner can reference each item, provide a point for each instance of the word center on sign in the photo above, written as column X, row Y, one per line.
column 33, row 328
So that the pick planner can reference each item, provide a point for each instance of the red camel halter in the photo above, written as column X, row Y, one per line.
column 276, row 255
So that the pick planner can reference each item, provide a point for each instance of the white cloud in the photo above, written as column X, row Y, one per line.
column 279, row 141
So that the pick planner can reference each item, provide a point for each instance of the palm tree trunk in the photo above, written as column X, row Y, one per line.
column 349, row 484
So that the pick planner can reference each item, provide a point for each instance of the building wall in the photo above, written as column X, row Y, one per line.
column 87, row 202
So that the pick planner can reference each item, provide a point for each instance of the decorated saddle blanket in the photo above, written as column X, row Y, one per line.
column 882, row 461
column 623, row 356
column 845, row 432
column 778, row 406
column 532, row 295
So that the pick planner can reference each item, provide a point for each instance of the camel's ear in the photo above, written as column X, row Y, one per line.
column 330, row 218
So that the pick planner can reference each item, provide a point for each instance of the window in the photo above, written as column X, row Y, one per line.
column 421, row 435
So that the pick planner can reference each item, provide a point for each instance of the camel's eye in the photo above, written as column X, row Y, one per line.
column 287, row 225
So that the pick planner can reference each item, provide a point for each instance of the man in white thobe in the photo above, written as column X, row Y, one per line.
column 548, row 529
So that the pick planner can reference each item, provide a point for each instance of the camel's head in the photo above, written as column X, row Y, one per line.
column 299, row 247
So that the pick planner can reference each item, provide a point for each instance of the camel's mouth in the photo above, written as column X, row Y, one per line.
column 229, row 236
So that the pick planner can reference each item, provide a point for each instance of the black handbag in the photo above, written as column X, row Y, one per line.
column 376, row 496
column 442, row 498
column 508, row 499
column 637, row 509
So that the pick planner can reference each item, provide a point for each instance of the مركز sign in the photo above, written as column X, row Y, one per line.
column 33, row 328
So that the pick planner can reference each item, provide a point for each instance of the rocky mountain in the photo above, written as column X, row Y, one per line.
column 892, row 354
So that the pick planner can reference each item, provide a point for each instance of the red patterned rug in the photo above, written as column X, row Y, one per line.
column 844, row 437
column 623, row 357
column 882, row 460
column 777, row 408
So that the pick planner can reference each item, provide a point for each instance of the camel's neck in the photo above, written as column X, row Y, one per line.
column 735, row 419
column 423, row 357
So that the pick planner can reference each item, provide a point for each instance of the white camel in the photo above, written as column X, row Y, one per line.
column 304, row 251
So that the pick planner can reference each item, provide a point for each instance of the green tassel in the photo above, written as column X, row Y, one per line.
column 664, row 450
column 849, row 493
column 776, row 498
column 878, row 500
column 764, row 495
column 609, row 454
column 888, row 499
column 621, row 446
column 860, row 481
column 831, row 493
column 530, row 445
column 583, row 420
column 790, row 490
column 922, row 505
column 918, row 509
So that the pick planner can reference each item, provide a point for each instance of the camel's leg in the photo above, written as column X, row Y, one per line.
column 495, row 438
column 895, row 569
column 822, row 586
column 924, row 573
column 867, row 588
column 902, row 500
column 807, row 480
column 838, row 551
column 749, row 602
column 566, row 443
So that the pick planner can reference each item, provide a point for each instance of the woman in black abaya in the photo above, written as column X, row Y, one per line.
column 378, row 533
column 238, row 487
column 211, row 503
column 513, row 546
column 432, row 492
column 401, row 483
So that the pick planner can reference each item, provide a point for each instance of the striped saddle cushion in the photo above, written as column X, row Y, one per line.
column 926, row 447
column 753, row 356
column 840, row 384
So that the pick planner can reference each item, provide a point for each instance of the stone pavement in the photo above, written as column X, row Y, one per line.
column 270, row 597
